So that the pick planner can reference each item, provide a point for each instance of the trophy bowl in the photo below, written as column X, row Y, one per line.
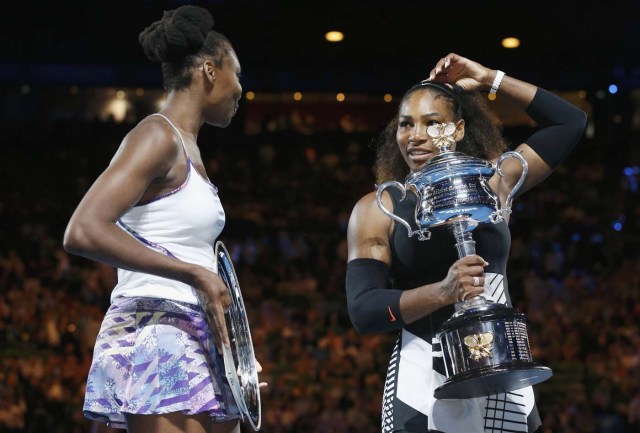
column 451, row 188
column 239, row 359
column 454, row 185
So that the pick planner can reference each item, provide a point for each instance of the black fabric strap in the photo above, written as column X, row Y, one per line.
column 373, row 305
column 561, row 127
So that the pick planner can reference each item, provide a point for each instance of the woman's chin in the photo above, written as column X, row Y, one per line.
column 413, row 166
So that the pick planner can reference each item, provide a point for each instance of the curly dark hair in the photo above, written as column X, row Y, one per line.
column 179, row 39
column 482, row 133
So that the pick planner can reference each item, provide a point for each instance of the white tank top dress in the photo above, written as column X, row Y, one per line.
column 183, row 223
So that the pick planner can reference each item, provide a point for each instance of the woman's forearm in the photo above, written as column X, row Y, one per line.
column 107, row 243
column 422, row 301
column 517, row 92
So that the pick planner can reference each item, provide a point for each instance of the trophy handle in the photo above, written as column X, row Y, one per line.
column 525, row 171
column 423, row 234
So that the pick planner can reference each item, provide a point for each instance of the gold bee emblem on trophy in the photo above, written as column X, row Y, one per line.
column 479, row 345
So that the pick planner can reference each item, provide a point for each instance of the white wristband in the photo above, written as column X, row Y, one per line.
column 496, row 82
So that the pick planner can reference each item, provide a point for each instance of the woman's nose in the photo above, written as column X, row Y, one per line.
column 418, row 135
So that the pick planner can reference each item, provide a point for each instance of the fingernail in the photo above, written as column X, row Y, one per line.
column 486, row 263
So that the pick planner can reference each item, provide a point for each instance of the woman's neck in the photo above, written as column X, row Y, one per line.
column 184, row 111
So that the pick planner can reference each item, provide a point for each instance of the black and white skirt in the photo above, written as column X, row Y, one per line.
column 416, row 369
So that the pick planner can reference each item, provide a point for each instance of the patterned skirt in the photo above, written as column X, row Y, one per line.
column 156, row 356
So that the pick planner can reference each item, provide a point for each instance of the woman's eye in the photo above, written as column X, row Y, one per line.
column 404, row 124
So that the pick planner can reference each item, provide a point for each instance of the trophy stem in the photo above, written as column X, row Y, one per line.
column 465, row 244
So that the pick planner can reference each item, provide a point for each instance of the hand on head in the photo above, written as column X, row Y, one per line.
column 457, row 70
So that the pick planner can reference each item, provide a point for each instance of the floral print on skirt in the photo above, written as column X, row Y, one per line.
column 155, row 356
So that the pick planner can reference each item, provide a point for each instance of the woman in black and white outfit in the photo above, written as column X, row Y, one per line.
column 399, row 283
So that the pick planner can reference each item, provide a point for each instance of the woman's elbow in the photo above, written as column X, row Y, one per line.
column 361, row 321
column 75, row 240
column 579, row 123
column 361, row 326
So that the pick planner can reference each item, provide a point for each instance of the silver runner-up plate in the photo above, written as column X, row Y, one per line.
column 239, row 359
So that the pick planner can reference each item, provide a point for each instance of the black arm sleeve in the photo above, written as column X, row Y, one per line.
column 561, row 127
column 373, row 305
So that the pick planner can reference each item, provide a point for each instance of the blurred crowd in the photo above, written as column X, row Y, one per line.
column 574, row 271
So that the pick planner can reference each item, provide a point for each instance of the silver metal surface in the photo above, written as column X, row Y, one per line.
column 454, row 187
column 239, row 359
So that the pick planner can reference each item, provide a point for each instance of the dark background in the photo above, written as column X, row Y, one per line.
column 388, row 44
column 289, row 175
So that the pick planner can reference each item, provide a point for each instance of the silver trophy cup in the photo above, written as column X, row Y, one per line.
column 484, row 344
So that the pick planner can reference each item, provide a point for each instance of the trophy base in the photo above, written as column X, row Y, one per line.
column 492, row 380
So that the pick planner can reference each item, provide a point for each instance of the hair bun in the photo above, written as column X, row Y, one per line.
column 180, row 32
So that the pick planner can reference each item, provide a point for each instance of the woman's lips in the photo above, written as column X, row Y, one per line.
column 419, row 155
